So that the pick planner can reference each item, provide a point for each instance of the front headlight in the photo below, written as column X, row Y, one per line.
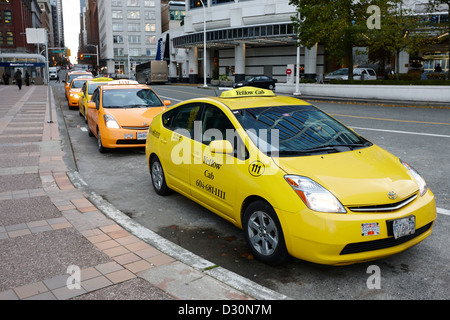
column 110, row 122
column 315, row 196
column 420, row 181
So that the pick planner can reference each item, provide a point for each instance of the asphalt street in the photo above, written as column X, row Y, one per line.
column 418, row 135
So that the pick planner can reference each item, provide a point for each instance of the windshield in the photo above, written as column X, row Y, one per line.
column 297, row 130
column 130, row 98
column 93, row 86
column 77, row 84
column 340, row 72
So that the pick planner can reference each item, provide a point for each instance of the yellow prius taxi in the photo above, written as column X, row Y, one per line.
column 87, row 91
column 297, row 181
column 74, row 91
column 120, row 112
column 72, row 75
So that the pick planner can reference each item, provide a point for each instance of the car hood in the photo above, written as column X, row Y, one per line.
column 134, row 117
column 357, row 178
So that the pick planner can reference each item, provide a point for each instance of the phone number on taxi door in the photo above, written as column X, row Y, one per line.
column 210, row 189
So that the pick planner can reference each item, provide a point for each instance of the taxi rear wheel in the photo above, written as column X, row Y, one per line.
column 263, row 233
column 158, row 179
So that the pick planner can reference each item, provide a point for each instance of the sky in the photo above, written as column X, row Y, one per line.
column 71, row 15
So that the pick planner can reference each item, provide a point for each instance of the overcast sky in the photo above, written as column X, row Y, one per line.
column 71, row 15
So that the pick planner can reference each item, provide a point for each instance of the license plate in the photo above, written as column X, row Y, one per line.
column 142, row 135
column 404, row 226
column 370, row 229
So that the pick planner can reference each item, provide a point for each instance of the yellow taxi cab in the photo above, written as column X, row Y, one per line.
column 120, row 112
column 74, row 91
column 86, row 93
column 72, row 75
column 298, row 182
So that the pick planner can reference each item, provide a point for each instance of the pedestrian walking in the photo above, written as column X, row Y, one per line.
column 27, row 78
column 5, row 77
column 18, row 78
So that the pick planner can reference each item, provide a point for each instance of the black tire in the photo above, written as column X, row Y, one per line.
column 264, row 234
column 158, row 178
column 101, row 148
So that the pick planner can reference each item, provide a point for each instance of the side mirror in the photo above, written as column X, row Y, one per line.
column 221, row 146
column 167, row 103
column 91, row 105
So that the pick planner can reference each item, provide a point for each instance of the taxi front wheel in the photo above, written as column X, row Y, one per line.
column 263, row 233
column 158, row 179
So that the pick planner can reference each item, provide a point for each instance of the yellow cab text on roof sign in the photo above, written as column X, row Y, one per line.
column 247, row 92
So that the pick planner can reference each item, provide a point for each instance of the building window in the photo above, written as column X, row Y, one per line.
column 134, row 39
column 149, row 15
column 118, row 52
column 133, row 3
column 117, row 26
column 150, row 39
column 149, row 3
column 176, row 15
column 119, row 67
column 8, row 17
column 135, row 52
column 118, row 39
column 116, row 3
column 9, row 38
column 133, row 14
column 1, row 38
column 117, row 14
column 150, row 27
column 134, row 27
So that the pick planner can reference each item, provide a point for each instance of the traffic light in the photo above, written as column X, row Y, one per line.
column 81, row 56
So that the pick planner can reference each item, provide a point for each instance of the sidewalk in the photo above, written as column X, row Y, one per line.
column 58, row 242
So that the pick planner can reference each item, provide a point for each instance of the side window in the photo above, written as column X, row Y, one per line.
column 217, row 126
column 182, row 119
column 96, row 98
column 84, row 89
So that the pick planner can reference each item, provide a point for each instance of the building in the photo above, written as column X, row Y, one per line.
column 128, row 34
column 244, row 38
column 251, row 37
column 15, row 52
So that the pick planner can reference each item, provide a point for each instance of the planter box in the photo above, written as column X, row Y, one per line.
column 215, row 82
column 225, row 83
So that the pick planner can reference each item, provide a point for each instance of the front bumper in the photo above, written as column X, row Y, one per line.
column 337, row 239
column 124, row 138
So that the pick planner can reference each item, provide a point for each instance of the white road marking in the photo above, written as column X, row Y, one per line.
column 405, row 132
column 84, row 129
column 443, row 211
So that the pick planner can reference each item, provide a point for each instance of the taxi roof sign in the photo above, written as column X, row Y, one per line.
column 123, row 81
column 246, row 92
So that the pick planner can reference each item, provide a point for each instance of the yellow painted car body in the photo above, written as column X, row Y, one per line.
column 333, row 205
column 120, row 113
column 86, row 93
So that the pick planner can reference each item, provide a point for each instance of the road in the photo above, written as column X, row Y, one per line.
column 419, row 136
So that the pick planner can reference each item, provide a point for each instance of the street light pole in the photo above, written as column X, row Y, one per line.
column 297, row 77
column 204, row 45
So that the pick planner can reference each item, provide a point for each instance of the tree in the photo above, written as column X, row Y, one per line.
column 342, row 24
column 338, row 24
column 400, row 30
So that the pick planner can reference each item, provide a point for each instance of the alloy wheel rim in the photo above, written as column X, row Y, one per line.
column 157, row 175
column 263, row 233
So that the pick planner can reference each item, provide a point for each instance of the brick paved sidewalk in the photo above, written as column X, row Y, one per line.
column 49, row 230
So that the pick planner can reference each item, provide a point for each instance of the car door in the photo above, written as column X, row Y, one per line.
column 215, row 177
column 92, row 113
column 176, row 139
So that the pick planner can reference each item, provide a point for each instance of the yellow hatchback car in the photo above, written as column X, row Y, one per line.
column 87, row 91
column 74, row 91
column 120, row 112
column 72, row 75
column 297, row 181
